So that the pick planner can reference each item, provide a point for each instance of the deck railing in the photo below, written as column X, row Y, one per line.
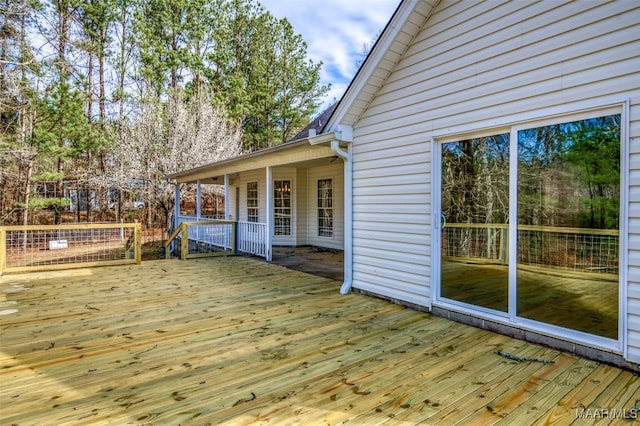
column 576, row 249
column 50, row 247
column 250, row 237
column 203, row 239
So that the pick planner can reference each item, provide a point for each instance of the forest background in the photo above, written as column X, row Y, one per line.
column 100, row 100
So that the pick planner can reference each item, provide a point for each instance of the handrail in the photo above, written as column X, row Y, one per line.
column 173, row 236
column 183, row 231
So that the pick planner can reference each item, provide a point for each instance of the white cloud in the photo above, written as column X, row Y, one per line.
column 336, row 32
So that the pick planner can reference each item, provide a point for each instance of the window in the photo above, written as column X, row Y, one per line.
column 252, row 202
column 282, row 207
column 325, row 207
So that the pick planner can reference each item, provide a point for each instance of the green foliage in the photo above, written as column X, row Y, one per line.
column 48, row 176
column 37, row 202
column 67, row 105
column 595, row 152
column 63, row 131
column 254, row 64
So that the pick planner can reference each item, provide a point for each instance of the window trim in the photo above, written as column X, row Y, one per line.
column 290, row 207
column 257, row 203
column 332, row 208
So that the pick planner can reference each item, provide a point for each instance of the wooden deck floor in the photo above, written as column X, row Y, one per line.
column 239, row 341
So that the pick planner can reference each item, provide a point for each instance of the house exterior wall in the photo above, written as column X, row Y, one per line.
column 304, row 182
column 473, row 66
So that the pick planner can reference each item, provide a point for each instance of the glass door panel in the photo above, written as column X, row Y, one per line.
column 282, row 207
column 568, row 190
column 475, row 210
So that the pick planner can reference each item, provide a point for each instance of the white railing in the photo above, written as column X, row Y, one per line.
column 251, row 236
column 217, row 235
column 203, row 218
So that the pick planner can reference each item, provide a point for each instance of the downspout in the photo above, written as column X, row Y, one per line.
column 348, row 215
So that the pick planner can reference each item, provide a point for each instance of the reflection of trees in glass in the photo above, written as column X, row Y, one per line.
column 475, row 180
column 569, row 174
column 595, row 154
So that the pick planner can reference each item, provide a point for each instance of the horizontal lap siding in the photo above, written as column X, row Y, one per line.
column 478, row 65
column 391, row 206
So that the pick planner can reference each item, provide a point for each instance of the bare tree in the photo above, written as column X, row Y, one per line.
column 169, row 137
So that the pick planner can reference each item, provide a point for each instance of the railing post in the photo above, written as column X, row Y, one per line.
column 138, row 242
column 504, row 246
column 3, row 250
column 184, row 241
column 234, row 243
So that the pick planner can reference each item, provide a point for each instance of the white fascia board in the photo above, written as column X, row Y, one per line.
column 345, row 134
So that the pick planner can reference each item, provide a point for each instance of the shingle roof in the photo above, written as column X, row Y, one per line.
column 317, row 123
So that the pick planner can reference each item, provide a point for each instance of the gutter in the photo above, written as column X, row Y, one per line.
column 348, row 215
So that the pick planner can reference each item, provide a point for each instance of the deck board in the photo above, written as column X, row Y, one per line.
column 240, row 341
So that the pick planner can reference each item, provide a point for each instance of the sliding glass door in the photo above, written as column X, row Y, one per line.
column 530, row 224
column 475, row 212
column 568, row 192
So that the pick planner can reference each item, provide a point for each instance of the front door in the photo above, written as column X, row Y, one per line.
column 283, row 223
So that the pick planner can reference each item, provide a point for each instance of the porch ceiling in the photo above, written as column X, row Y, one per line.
column 296, row 154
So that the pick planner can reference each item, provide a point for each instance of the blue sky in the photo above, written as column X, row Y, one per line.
column 335, row 31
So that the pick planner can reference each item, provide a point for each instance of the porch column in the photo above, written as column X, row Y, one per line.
column 176, row 206
column 198, row 200
column 269, row 201
column 227, row 207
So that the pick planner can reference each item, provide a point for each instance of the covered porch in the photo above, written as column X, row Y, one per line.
column 289, row 195
column 240, row 341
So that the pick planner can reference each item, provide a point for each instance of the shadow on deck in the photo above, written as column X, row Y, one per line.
column 319, row 261
column 239, row 341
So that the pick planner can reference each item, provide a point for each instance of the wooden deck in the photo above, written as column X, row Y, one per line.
column 239, row 341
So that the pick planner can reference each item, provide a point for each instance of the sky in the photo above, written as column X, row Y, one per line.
column 336, row 32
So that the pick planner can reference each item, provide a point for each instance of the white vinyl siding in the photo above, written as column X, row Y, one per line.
column 391, row 205
column 473, row 66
